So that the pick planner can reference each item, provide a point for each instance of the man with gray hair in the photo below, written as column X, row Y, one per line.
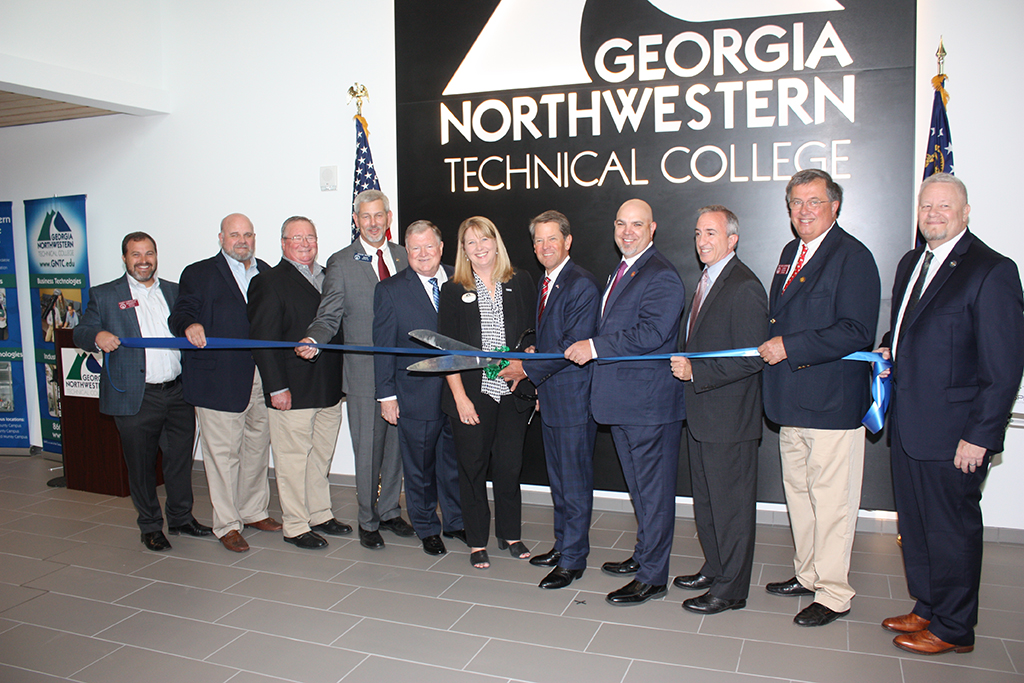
column 346, row 305
column 304, row 398
column 412, row 401
column 823, row 306
column 956, row 336
column 723, row 408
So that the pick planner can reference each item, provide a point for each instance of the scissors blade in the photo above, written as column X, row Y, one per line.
column 450, row 364
column 439, row 341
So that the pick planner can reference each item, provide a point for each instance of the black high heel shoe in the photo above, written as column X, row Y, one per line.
column 517, row 549
column 479, row 559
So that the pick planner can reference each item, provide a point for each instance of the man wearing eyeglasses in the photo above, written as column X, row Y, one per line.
column 304, row 397
column 823, row 305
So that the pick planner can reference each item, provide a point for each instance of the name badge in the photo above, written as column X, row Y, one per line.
column 365, row 258
column 782, row 269
column 125, row 305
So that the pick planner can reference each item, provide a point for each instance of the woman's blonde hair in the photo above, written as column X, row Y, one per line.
column 464, row 268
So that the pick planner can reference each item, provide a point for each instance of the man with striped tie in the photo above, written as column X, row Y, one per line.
column 412, row 402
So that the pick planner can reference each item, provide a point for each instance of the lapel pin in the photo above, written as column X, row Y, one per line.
column 469, row 297
column 952, row 264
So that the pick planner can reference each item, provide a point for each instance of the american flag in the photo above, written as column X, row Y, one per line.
column 365, row 175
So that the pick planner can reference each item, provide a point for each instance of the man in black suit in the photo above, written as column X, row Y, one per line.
column 304, row 396
column 957, row 336
column 823, row 306
column 723, row 409
column 142, row 390
column 408, row 301
column 224, row 385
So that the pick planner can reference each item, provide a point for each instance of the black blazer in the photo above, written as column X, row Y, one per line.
column 460, row 320
column 282, row 304
column 219, row 379
column 723, row 402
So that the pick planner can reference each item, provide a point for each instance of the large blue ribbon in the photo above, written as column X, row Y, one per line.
column 873, row 420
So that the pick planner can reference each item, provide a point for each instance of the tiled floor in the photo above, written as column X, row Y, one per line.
column 82, row 600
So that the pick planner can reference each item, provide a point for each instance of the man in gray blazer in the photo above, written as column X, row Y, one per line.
column 347, row 304
column 723, row 411
column 141, row 388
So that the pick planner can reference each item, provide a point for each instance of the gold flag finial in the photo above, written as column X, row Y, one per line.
column 940, row 56
column 358, row 92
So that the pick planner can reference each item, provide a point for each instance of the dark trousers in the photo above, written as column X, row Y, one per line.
column 166, row 423
column 431, row 475
column 569, row 455
column 649, row 455
column 939, row 510
column 496, row 443
column 724, row 481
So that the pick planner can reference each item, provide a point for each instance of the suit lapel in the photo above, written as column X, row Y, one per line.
column 712, row 294
column 124, row 293
column 299, row 278
column 418, row 293
column 939, row 279
column 554, row 291
column 810, row 267
column 225, row 271
column 627, row 277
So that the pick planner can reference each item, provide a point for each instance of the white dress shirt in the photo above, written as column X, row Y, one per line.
column 162, row 365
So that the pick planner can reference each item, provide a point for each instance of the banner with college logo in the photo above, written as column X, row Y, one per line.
column 13, row 409
column 58, row 266
column 530, row 105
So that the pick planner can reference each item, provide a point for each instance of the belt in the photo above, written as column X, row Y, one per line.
column 164, row 385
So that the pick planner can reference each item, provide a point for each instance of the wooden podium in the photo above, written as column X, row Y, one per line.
column 92, row 448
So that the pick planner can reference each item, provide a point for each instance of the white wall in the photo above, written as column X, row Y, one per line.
column 257, row 99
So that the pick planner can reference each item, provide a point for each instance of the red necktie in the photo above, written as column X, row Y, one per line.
column 799, row 265
column 698, row 299
column 382, row 268
column 543, row 295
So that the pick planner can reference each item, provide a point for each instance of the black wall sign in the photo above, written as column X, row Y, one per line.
column 507, row 109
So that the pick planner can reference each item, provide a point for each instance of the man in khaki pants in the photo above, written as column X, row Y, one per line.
column 304, row 396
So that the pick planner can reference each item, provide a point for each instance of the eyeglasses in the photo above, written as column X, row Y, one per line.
column 812, row 204
column 296, row 239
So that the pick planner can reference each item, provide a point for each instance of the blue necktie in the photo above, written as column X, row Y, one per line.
column 437, row 292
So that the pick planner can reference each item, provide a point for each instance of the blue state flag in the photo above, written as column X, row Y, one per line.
column 938, row 156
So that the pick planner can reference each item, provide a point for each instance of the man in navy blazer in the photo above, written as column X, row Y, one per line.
column 723, row 413
column 641, row 400
column 823, row 305
column 142, row 390
column 224, row 384
column 568, row 305
column 412, row 401
column 956, row 338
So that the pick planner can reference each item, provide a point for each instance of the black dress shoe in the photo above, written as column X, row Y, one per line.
column 709, row 604
column 193, row 528
column 788, row 588
column 333, row 527
column 548, row 559
column 560, row 577
column 397, row 526
column 693, row 582
column 816, row 614
column 307, row 541
column 636, row 593
column 370, row 539
column 629, row 566
column 433, row 545
column 155, row 540
column 456, row 533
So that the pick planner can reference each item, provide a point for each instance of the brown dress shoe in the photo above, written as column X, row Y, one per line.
column 234, row 542
column 268, row 524
column 925, row 643
column 905, row 623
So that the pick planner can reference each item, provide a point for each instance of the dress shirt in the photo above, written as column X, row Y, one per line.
column 243, row 275
column 553, row 275
column 812, row 247
column 715, row 269
column 386, row 250
column 940, row 254
column 629, row 264
column 162, row 365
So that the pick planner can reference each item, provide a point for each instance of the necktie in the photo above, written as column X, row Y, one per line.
column 436, row 292
column 543, row 295
column 615, row 281
column 799, row 265
column 382, row 268
column 915, row 295
column 698, row 299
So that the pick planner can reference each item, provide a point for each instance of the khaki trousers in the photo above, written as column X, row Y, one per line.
column 822, row 472
column 304, row 442
column 236, row 453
